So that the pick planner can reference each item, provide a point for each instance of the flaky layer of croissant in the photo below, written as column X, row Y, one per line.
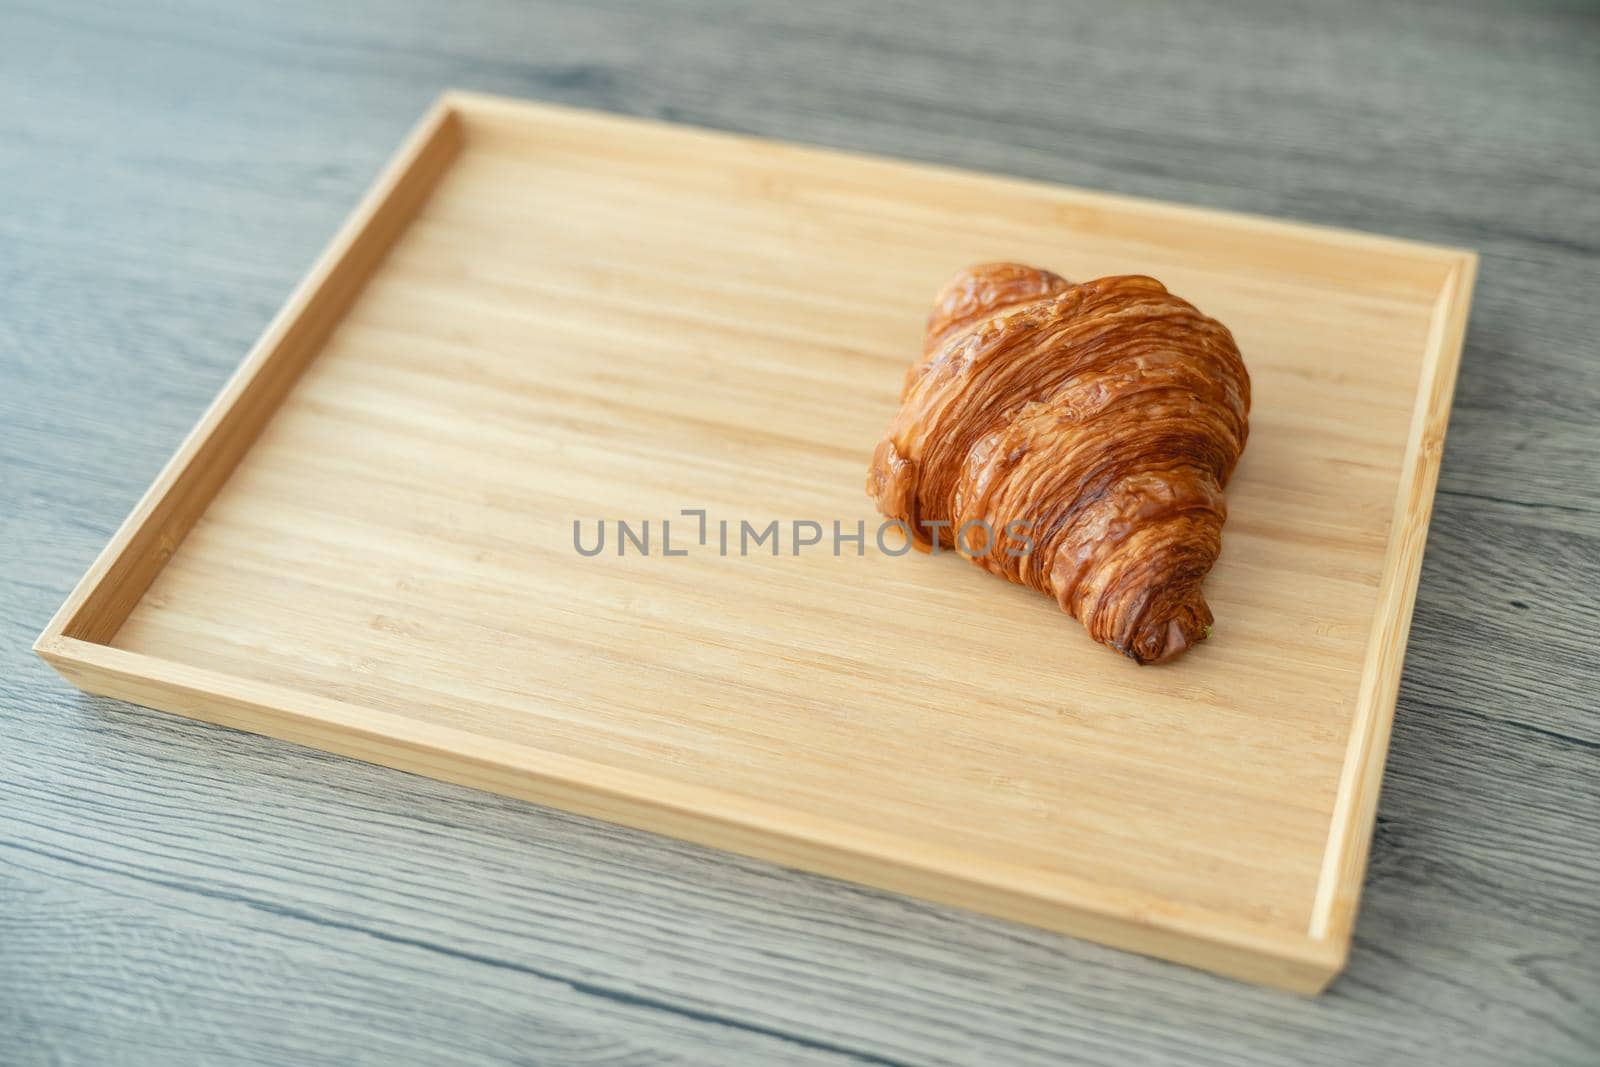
column 1081, row 435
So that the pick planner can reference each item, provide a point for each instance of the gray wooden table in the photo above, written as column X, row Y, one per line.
column 173, row 893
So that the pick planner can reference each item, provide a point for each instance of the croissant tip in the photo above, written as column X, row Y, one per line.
column 1176, row 640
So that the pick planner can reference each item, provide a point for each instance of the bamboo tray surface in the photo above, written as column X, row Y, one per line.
column 540, row 315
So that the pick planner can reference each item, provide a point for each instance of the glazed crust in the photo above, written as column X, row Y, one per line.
column 1091, row 428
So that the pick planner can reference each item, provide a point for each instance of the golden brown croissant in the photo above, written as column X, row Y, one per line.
column 1074, row 439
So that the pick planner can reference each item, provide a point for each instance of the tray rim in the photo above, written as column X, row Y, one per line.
column 76, row 641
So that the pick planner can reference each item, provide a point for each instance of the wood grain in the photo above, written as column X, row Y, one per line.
column 203, row 889
column 507, row 342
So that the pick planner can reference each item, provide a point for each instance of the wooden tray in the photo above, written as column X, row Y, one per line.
column 539, row 316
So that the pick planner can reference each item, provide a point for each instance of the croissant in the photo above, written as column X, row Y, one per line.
column 1074, row 439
